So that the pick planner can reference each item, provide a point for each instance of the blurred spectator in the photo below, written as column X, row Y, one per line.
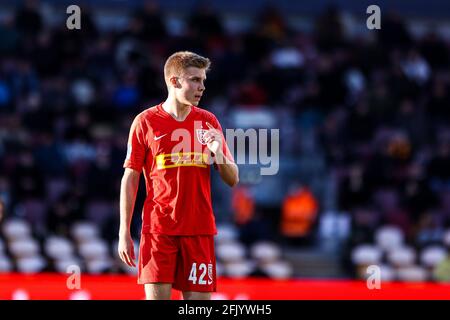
column 204, row 22
column 329, row 30
column 28, row 18
column 2, row 210
column 243, row 205
column 299, row 214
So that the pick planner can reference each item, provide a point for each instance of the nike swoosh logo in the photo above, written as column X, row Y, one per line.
column 157, row 138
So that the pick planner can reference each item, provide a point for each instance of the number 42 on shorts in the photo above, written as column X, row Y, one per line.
column 202, row 269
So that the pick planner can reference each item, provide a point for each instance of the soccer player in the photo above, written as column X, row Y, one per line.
column 174, row 144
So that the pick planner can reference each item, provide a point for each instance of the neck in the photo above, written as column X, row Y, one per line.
column 176, row 109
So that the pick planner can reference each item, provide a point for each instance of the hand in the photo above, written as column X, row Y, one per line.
column 126, row 250
column 213, row 139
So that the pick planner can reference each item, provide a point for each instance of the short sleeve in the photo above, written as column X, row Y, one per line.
column 137, row 146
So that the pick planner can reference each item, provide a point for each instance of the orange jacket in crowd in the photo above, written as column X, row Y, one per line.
column 299, row 213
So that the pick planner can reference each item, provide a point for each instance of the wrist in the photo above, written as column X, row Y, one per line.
column 219, row 157
column 124, row 232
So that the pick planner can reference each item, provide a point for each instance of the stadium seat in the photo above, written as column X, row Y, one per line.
column 431, row 256
column 265, row 251
column 278, row 269
column 230, row 252
column 413, row 274
column 220, row 269
column 366, row 254
column 84, row 231
column 32, row 264
column 24, row 248
column 389, row 237
column 94, row 249
column 5, row 263
column 239, row 269
column 96, row 266
column 402, row 256
column 387, row 273
column 226, row 233
column 446, row 238
column 16, row 229
column 62, row 265
column 58, row 247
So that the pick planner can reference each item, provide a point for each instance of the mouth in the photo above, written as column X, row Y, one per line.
column 198, row 96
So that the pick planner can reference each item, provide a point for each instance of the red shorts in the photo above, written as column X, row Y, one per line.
column 188, row 262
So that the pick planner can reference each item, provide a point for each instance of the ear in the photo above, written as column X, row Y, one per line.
column 173, row 81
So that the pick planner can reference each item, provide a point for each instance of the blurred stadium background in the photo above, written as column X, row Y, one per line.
column 364, row 119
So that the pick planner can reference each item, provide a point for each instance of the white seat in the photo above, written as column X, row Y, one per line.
column 93, row 249
column 14, row 229
column 366, row 254
column 32, row 264
column 58, row 247
column 432, row 255
column 265, row 251
column 239, row 269
column 98, row 265
column 389, row 237
column 230, row 252
column 387, row 273
column 412, row 274
column 226, row 233
column 402, row 257
column 62, row 265
column 220, row 269
column 84, row 231
column 278, row 269
column 5, row 264
column 24, row 248
column 446, row 238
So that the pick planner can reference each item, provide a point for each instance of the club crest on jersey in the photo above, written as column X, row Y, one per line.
column 201, row 136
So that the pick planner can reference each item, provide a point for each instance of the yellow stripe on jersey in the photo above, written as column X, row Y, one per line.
column 181, row 159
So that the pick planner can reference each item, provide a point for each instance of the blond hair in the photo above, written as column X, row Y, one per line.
column 181, row 60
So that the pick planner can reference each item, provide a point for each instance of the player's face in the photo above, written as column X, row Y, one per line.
column 192, row 86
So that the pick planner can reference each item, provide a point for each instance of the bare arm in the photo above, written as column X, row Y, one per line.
column 128, row 190
column 229, row 172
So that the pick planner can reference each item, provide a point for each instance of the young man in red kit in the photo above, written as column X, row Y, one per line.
column 174, row 144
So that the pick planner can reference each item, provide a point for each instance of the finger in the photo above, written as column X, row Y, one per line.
column 128, row 259
column 209, row 125
column 123, row 257
column 131, row 256
column 132, row 253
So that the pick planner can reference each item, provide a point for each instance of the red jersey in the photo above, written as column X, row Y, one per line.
column 176, row 165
